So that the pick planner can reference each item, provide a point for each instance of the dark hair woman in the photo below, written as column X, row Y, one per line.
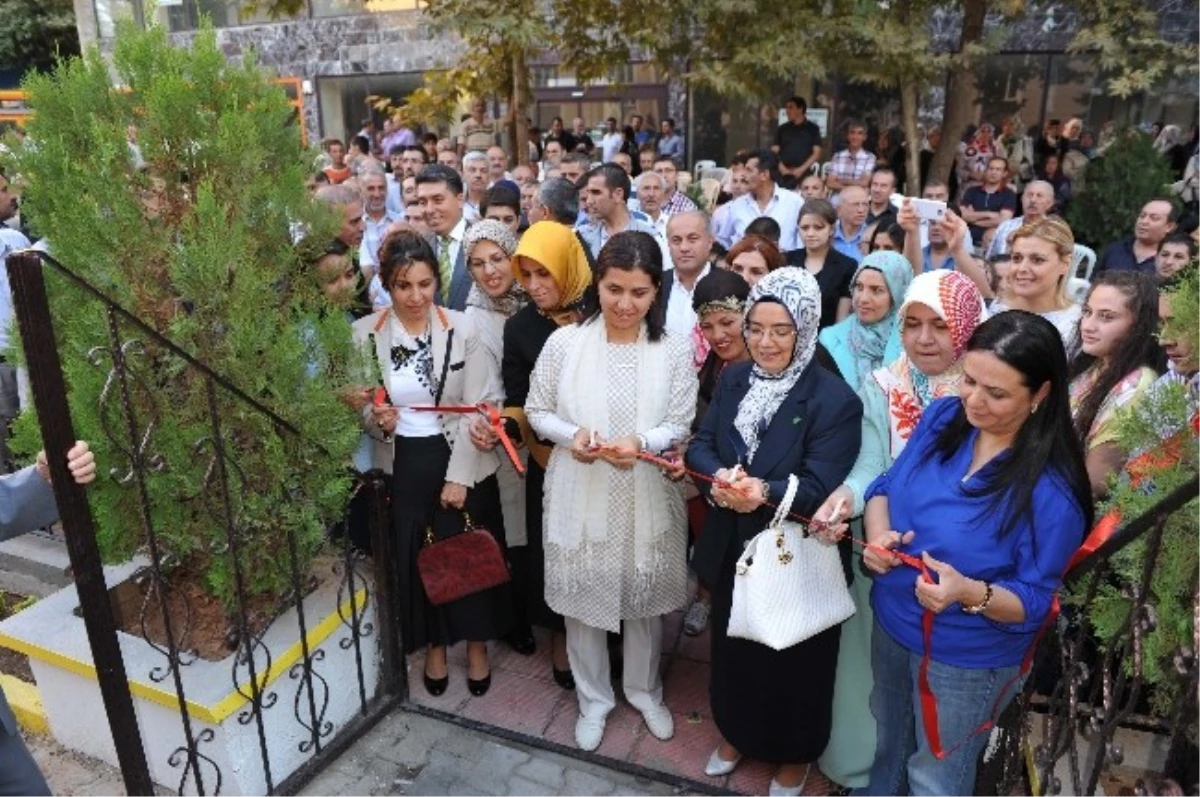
column 1114, row 360
column 552, row 266
column 430, row 355
column 780, row 416
column 604, row 391
column 833, row 270
column 992, row 493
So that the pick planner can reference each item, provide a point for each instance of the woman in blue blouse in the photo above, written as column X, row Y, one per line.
column 992, row 493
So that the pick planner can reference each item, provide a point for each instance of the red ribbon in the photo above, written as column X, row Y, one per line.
column 494, row 420
column 929, row 709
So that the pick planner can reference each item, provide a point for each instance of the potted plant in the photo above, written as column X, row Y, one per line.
column 179, row 193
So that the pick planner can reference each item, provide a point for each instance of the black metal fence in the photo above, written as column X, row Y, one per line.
column 1087, row 693
column 166, row 606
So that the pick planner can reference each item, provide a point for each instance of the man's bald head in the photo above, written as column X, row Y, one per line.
column 690, row 241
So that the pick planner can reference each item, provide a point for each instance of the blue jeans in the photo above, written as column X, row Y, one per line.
column 904, row 764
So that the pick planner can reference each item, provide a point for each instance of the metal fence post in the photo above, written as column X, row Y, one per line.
column 392, row 673
column 54, row 417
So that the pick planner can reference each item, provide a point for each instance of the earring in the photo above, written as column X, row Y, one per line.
column 1034, row 410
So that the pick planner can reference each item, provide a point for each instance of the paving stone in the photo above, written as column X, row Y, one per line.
column 520, row 786
column 584, row 783
column 544, row 771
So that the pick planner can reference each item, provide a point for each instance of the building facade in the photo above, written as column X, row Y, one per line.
column 333, row 54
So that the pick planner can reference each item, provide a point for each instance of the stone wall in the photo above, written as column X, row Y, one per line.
column 362, row 44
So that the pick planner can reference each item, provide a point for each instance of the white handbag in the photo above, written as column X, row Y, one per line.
column 788, row 586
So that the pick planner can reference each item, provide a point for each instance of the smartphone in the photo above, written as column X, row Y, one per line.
column 926, row 209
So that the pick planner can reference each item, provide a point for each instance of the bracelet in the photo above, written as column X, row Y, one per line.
column 642, row 444
column 980, row 607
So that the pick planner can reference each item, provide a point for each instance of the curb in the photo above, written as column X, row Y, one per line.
column 26, row 703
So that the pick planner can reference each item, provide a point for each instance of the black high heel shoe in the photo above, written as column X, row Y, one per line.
column 479, row 688
column 437, row 686
column 563, row 678
column 522, row 642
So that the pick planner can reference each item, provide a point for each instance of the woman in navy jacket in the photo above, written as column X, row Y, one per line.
column 780, row 415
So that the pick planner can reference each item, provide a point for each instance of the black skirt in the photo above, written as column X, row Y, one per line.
column 419, row 474
column 773, row 706
column 540, row 614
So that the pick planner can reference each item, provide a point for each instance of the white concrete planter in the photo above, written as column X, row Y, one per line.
column 53, row 637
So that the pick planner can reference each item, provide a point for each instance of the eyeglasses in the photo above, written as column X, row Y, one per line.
column 496, row 261
column 778, row 333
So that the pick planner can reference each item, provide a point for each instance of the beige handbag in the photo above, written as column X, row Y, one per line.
column 789, row 586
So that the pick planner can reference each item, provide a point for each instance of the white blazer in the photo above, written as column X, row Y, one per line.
column 465, row 378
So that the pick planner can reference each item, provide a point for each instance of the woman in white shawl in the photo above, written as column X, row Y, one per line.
column 603, row 391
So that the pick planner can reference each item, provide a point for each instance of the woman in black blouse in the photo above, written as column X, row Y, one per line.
column 833, row 270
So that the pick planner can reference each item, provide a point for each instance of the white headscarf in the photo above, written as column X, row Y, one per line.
column 798, row 292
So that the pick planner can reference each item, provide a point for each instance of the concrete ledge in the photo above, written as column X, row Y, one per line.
column 38, row 556
column 26, row 703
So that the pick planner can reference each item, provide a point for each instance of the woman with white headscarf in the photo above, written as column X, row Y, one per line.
column 779, row 415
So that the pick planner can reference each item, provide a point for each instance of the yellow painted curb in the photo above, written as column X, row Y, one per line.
column 26, row 703
column 222, row 709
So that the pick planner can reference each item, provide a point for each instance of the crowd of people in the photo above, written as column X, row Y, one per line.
column 937, row 397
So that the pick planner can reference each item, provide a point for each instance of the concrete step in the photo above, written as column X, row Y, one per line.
column 34, row 564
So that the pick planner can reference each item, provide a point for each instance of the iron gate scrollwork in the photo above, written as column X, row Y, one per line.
column 255, row 673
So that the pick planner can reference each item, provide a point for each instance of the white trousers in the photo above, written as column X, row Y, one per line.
column 587, row 650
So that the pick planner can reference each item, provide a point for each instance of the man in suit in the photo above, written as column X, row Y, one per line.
column 27, row 502
column 440, row 193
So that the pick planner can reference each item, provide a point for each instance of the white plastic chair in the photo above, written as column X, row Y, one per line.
column 825, row 167
column 1086, row 257
column 1077, row 289
column 701, row 166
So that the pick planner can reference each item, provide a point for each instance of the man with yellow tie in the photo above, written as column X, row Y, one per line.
column 440, row 193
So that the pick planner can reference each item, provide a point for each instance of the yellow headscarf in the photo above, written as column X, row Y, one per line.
column 559, row 250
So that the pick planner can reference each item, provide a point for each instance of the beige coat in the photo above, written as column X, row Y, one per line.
column 467, row 381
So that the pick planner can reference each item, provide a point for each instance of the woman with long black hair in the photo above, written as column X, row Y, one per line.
column 992, row 494
column 1115, row 359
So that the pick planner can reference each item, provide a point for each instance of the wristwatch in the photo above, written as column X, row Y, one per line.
column 980, row 607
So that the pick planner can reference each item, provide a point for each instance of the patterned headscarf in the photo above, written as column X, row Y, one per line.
column 798, row 292
column 515, row 297
column 557, row 248
column 955, row 299
column 868, row 342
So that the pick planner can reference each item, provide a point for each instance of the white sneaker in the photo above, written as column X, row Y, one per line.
column 717, row 766
column 589, row 732
column 660, row 722
column 696, row 619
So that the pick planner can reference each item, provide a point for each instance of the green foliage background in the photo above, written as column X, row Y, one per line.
column 34, row 32
column 1125, row 177
column 198, row 245
column 1172, row 586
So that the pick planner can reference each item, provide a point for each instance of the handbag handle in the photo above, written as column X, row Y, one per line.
column 785, row 506
column 467, row 526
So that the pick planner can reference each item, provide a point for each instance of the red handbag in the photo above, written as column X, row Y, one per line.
column 460, row 565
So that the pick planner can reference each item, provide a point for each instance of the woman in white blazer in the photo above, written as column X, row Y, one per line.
column 428, row 355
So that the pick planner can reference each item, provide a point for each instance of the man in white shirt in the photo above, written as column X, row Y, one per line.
column 737, row 184
column 765, row 198
column 610, row 145
column 650, row 202
column 475, row 169
column 690, row 244
column 376, row 218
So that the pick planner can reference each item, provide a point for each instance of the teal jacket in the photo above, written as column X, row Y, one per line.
column 836, row 339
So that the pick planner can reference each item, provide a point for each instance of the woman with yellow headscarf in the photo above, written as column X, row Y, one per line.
column 553, row 268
